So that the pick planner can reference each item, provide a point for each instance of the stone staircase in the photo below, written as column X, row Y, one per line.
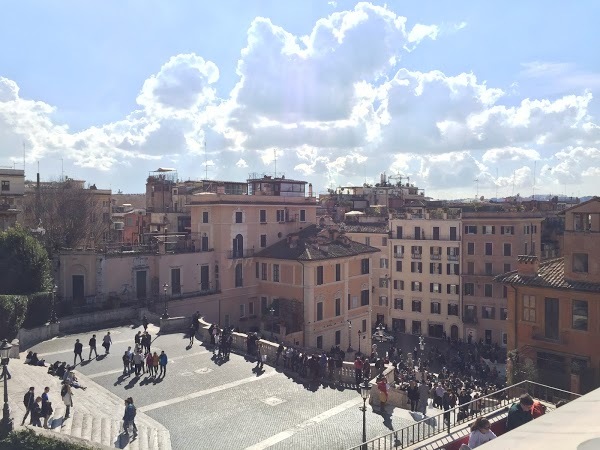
column 96, row 414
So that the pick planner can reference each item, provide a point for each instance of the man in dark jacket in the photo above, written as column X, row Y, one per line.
column 93, row 347
column 519, row 413
column 28, row 401
column 77, row 350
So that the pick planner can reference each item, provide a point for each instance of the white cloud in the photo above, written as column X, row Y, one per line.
column 496, row 155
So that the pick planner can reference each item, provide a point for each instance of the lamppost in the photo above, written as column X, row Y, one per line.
column 53, row 318
column 365, row 389
column 166, row 313
column 350, row 335
column 359, row 336
column 422, row 343
column 6, row 425
column 272, row 312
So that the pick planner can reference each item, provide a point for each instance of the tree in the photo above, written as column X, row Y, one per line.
column 66, row 214
column 24, row 264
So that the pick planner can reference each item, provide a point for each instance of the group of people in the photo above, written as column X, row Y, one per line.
column 37, row 407
column 141, row 360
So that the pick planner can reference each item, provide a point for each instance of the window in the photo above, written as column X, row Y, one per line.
column 398, row 266
column 488, row 312
column 504, row 339
column 503, row 314
column 436, row 233
column 399, row 285
column 452, row 269
column 504, row 292
column 242, row 310
column 507, row 267
column 470, row 248
column 529, row 308
column 5, row 185
column 204, row 216
column 488, row 229
column 257, row 266
column 263, row 240
column 383, row 263
column 398, row 251
column 364, row 325
column 383, row 300
column 489, row 268
column 488, row 248
column 470, row 229
column 320, row 311
column 263, row 304
column 452, row 289
column 580, row 262
column 368, row 240
column 526, row 252
column 416, row 327
column 338, row 337
column 364, row 266
column 507, row 250
column 416, row 286
column 176, row 281
column 384, row 241
column 302, row 215
column 416, row 251
column 383, row 282
column 469, row 289
column 435, row 252
column 416, row 306
column 436, row 308
column 281, row 215
column 470, row 268
column 398, row 303
column 507, row 230
column 452, row 309
column 262, row 214
column 319, row 342
column 435, row 287
column 488, row 290
column 251, row 308
column 435, row 268
column 398, row 232
column 416, row 267
column 319, row 275
column 276, row 273
column 338, row 306
column 239, row 281
column 264, row 271
column 580, row 315
column 239, row 217
column 105, row 217
column 338, row 272
column 364, row 297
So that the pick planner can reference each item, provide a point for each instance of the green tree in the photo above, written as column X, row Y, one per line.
column 24, row 264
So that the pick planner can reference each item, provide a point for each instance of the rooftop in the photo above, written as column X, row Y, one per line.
column 551, row 274
column 313, row 244
column 366, row 228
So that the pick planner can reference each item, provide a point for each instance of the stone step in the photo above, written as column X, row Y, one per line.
column 96, row 434
column 86, row 427
column 77, row 418
column 107, row 438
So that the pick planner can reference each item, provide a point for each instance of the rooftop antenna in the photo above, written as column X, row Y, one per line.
column 477, row 182
column 513, row 189
column 496, row 183
column 534, row 169
column 205, row 163
column 275, row 157
column 23, row 157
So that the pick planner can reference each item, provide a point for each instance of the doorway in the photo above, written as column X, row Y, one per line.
column 140, row 285
column 78, row 289
column 436, row 330
column 454, row 333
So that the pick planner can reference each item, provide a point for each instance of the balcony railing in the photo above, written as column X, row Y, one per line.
column 435, row 256
column 416, row 256
column 238, row 254
column 452, row 257
column 399, row 255
column 470, row 318
column 443, row 423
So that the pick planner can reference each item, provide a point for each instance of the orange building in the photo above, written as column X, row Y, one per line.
column 554, row 307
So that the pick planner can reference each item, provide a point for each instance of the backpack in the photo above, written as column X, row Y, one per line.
column 27, row 399
column 64, row 390
column 125, row 358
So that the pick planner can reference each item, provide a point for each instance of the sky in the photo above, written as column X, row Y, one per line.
column 464, row 98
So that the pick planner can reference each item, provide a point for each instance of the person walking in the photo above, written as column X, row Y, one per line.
column 358, row 370
column 413, row 395
column 106, row 342
column 137, row 339
column 46, row 406
column 162, row 360
column 146, row 342
column 93, row 347
column 129, row 417
column 192, row 332
column 28, row 401
column 155, row 359
column 77, row 350
column 383, row 392
column 126, row 361
column 145, row 322
column 67, row 398
column 36, row 412
column 280, row 350
column 423, row 398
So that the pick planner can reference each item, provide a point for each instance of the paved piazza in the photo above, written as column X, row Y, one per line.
column 206, row 405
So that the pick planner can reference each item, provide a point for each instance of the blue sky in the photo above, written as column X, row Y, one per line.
column 476, row 90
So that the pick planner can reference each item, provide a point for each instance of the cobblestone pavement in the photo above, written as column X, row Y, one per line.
column 207, row 405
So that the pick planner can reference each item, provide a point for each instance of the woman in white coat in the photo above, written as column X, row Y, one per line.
column 67, row 398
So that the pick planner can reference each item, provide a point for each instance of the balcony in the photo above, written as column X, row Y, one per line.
column 435, row 256
column 452, row 257
column 239, row 254
column 399, row 255
column 416, row 256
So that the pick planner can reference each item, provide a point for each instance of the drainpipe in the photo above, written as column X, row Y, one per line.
column 303, row 321
column 516, row 313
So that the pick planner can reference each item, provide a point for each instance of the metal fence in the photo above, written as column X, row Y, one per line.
column 445, row 421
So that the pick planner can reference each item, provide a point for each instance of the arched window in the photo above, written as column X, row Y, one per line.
column 238, row 246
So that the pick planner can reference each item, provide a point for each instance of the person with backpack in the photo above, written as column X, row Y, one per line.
column 77, row 350
column 93, row 347
column 67, row 398
column 28, row 401
column 106, row 341
column 129, row 417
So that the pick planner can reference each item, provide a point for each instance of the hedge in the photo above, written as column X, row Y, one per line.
column 38, row 309
column 13, row 309
column 29, row 440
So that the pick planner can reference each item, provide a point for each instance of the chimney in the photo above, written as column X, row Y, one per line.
column 310, row 191
column 528, row 265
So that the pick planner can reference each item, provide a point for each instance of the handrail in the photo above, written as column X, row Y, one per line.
column 446, row 420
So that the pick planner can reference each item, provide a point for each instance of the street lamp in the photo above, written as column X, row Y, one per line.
column 6, row 425
column 166, row 313
column 53, row 318
column 422, row 343
column 272, row 312
column 350, row 335
column 359, row 335
column 365, row 390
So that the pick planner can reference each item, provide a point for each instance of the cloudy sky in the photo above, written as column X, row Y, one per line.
column 446, row 93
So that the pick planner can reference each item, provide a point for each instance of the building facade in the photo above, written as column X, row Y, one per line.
column 12, row 190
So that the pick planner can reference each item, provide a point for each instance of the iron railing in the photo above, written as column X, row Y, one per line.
column 445, row 421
